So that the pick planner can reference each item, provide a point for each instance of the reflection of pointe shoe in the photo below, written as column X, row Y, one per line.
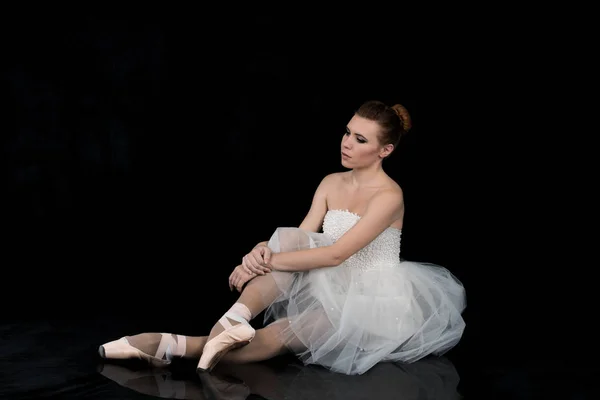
column 224, row 388
column 156, row 383
column 232, row 337
column 120, row 349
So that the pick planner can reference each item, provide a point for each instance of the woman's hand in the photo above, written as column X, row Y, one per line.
column 239, row 277
column 257, row 261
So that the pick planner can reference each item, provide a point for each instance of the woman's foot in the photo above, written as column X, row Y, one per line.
column 158, row 349
column 232, row 331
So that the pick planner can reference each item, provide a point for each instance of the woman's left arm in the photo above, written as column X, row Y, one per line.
column 381, row 212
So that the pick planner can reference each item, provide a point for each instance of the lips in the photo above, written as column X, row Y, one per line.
column 344, row 154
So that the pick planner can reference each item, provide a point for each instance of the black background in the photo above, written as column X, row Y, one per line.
column 143, row 156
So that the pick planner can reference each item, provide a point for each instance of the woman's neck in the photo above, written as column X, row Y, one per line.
column 366, row 176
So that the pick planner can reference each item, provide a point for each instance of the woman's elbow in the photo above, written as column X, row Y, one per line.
column 336, row 258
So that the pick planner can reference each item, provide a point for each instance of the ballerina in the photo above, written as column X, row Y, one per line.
column 334, row 289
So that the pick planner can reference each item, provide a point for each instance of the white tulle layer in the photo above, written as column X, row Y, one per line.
column 349, row 319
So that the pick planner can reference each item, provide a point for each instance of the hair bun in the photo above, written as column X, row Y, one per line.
column 404, row 116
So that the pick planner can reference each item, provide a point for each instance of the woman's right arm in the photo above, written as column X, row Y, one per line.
column 314, row 219
column 312, row 222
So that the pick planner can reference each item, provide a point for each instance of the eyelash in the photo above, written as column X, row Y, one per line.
column 359, row 140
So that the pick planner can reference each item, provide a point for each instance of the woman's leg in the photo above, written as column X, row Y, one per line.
column 244, row 366
column 257, row 295
column 264, row 346
column 233, row 329
column 159, row 348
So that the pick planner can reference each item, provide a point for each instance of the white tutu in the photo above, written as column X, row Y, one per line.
column 371, row 308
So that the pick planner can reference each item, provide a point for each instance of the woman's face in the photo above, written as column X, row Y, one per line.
column 360, row 143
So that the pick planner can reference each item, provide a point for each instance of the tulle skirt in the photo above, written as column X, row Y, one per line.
column 348, row 319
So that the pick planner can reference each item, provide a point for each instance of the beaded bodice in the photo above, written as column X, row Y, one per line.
column 382, row 252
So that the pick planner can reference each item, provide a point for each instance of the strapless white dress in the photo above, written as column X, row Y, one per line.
column 373, row 307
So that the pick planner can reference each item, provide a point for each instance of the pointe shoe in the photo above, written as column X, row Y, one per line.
column 233, row 337
column 120, row 349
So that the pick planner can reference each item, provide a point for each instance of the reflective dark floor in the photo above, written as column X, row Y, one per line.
column 59, row 360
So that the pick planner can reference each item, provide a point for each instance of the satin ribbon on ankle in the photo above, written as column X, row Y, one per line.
column 165, row 346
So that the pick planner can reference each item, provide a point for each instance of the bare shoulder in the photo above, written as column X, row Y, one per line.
column 394, row 189
column 334, row 177
column 331, row 181
column 389, row 197
column 314, row 218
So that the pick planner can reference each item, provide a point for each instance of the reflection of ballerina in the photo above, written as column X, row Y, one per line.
column 341, row 298
column 431, row 378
